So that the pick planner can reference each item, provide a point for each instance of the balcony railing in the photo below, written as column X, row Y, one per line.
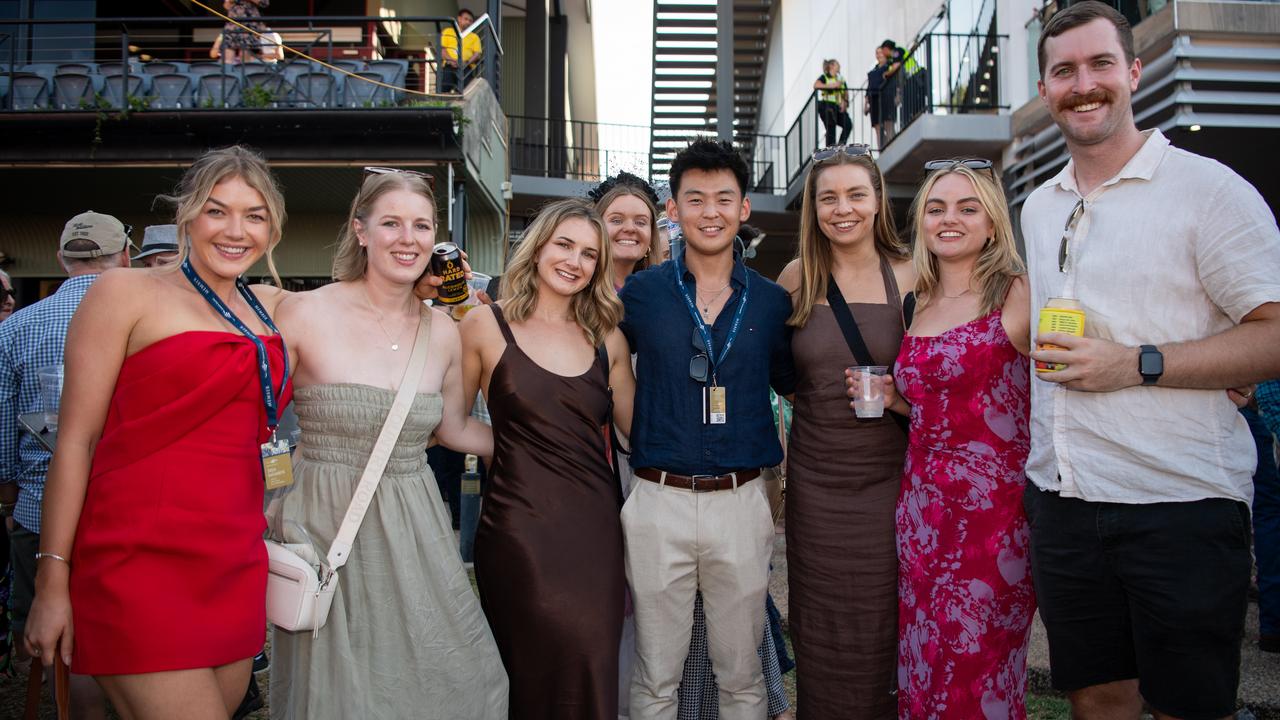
column 165, row 63
column 947, row 74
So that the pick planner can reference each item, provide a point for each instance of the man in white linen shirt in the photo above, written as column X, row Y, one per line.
column 1140, row 466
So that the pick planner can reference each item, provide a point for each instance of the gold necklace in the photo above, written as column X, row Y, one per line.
column 395, row 344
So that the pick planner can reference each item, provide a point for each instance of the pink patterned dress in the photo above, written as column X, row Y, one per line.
column 964, row 582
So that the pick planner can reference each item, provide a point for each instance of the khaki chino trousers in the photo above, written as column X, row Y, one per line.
column 677, row 542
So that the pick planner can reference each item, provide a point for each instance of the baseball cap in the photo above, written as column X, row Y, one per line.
column 158, row 239
column 109, row 234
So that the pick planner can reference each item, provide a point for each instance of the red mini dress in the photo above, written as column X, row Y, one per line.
column 169, row 570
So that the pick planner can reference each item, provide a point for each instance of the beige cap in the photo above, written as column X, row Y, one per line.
column 109, row 234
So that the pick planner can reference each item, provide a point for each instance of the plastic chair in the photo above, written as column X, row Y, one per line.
column 393, row 72
column 80, row 68
column 367, row 94
column 118, row 95
column 74, row 91
column 273, row 83
column 45, row 70
column 172, row 91
column 218, row 91
column 316, row 89
column 163, row 67
column 211, row 68
column 107, row 69
column 30, row 91
column 351, row 66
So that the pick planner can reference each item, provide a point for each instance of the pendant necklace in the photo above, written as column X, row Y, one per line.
column 395, row 344
column 706, row 310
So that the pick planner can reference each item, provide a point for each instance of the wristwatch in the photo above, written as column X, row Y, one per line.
column 1150, row 364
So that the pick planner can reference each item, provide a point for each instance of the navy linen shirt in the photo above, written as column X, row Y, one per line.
column 667, row 431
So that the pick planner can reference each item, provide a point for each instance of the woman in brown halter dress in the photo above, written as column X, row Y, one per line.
column 843, row 473
column 548, row 552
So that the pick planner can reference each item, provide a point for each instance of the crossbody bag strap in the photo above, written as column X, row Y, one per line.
column 340, row 550
column 848, row 326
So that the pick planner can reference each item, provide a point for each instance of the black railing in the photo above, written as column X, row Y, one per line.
column 577, row 150
column 166, row 63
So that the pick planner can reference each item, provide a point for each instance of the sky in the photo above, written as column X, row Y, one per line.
column 623, row 43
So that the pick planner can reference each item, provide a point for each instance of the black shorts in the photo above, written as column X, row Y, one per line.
column 1155, row 592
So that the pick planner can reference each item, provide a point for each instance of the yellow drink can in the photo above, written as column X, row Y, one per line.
column 1060, row 315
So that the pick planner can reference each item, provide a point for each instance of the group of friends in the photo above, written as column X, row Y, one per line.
column 916, row 558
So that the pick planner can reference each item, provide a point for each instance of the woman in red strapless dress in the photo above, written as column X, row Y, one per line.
column 152, row 571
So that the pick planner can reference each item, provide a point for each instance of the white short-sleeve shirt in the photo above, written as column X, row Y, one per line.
column 1175, row 247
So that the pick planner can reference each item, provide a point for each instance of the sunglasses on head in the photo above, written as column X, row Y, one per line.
column 374, row 170
column 853, row 150
column 700, row 363
column 975, row 164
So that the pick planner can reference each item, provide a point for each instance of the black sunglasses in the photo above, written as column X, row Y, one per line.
column 974, row 164
column 1067, row 231
column 852, row 150
column 6, row 292
column 375, row 170
column 700, row 363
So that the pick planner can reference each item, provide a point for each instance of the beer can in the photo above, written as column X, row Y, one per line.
column 1060, row 315
column 446, row 263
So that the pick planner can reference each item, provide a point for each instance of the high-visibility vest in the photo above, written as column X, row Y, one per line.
column 832, row 96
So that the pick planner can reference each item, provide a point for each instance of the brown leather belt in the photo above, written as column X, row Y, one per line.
column 698, row 483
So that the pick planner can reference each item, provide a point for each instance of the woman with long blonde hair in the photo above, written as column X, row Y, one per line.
column 554, row 369
column 629, row 208
column 964, row 587
column 405, row 636
column 152, row 571
column 841, row 564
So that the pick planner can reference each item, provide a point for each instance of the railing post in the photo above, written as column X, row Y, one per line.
column 124, row 66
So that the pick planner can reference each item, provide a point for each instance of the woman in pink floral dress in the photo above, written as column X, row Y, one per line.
column 964, row 585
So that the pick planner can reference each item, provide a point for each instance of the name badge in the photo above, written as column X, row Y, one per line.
column 716, row 412
column 277, row 466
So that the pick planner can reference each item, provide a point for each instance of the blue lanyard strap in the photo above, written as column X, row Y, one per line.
column 269, row 397
column 703, row 330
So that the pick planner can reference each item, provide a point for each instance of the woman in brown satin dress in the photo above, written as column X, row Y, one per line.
column 548, row 552
column 843, row 473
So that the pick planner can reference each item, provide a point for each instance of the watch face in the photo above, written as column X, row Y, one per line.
column 1151, row 362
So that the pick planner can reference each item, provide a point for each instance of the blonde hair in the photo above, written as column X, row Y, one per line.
column 620, row 190
column 998, row 263
column 814, row 252
column 215, row 166
column 350, row 260
column 596, row 307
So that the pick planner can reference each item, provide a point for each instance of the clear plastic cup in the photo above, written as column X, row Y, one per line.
column 478, row 282
column 868, row 390
column 50, row 393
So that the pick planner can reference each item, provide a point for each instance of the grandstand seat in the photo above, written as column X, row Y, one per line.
column 164, row 67
column 172, row 91
column 74, row 91
column 317, row 89
column 218, row 91
column 366, row 94
column 116, row 93
column 30, row 91
column 272, row 82
column 81, row 68
column 211, row 68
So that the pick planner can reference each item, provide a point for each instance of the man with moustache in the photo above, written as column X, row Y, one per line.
column 710, row 338
column 1140, row 465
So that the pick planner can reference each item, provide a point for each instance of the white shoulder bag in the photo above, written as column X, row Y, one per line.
column 300, row 586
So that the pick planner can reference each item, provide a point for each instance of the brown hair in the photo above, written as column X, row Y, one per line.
column 619, row 190
column 350, row 259
column 596, row 307
column 998, row 263
column 1082, row 14
column 215, row 166
column 814, row 252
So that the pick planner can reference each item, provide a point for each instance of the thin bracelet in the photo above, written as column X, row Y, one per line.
column 53, row 556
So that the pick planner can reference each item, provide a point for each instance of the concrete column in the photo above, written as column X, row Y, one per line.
column 724, row 69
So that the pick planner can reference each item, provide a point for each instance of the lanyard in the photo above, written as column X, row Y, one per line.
column 264, row 367
column 703, row 330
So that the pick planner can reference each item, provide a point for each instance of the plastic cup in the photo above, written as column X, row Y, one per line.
column 477, row 283
column 50, row 393
column 868, row 390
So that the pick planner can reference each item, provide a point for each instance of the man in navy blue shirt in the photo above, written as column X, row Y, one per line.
column 710, row 337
